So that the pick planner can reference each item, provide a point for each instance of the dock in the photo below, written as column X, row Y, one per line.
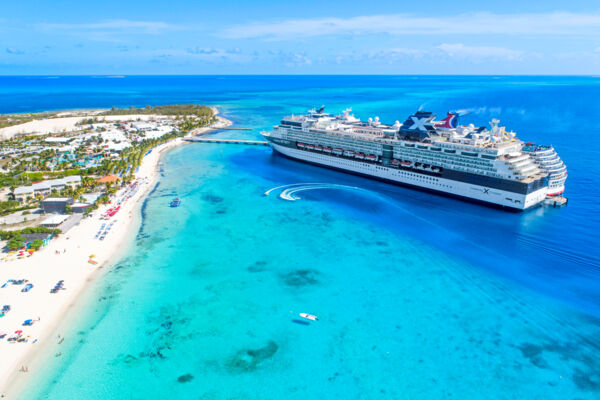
column 556, row 201
column 228, row 141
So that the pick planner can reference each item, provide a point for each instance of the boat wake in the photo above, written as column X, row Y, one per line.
column 289, row 192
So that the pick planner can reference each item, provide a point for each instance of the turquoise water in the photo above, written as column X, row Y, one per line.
column 418, row 296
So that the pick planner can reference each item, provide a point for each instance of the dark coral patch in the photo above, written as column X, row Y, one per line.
column 533, row 352
column 250, row 359
column 185, row 378
column 258, row 266
column 587, row 381
column 586, row 378
column 211, row 198
column 301, row 277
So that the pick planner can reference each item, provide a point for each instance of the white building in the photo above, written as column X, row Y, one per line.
column 143, row 126
column 158, row 132
column 59, row 140
column 117, row 147
column 45, row 188
column 54, row 220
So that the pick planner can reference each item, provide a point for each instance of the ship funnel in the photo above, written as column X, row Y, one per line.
column 418, row 126
column 451, row 121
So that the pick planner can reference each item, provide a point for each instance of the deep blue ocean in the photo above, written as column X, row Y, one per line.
column 419, row 296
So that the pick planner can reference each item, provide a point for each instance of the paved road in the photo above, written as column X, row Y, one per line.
column 70, row 222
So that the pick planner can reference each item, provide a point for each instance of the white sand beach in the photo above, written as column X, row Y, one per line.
column 65, row 124
column 67, row 258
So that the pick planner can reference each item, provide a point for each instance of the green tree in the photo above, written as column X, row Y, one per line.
column 15, row 243
column 36, row 244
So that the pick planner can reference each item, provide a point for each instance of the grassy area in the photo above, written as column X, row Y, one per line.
column 6, row 235
column 16, row 119
column 181, row 110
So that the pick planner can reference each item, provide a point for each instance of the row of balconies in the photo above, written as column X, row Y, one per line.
column 450, row 158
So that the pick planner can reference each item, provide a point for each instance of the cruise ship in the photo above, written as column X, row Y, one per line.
column 484, row 164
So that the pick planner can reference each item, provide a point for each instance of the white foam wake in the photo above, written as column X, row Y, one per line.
column 290, row 191
column 268, row 192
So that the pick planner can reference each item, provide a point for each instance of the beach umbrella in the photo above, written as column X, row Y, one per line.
column 92, row 255
column 18, row 332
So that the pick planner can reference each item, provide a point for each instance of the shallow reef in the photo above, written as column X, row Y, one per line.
column 586, row 376
column 185, row 378
column 250, row 359
column 258, row 266
column 301, row 277
column 212, row 198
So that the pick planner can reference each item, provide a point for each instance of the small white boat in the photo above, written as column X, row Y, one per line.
column 309, row 316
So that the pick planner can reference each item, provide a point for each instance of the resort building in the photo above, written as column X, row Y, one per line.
column 158, row 132
column 116, row 147
column 90, row 198
column 45, row 188
column 80, row 207
column 55, row 204
column 23, row 192
column 143, row 126
column 54, row 221
column 58, row 140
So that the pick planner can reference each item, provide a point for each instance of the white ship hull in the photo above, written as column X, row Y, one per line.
column 405, row 177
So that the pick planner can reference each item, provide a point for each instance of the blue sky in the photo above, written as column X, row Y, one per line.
column 299, row 37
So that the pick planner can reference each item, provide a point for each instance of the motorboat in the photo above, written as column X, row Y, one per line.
column 309, row 316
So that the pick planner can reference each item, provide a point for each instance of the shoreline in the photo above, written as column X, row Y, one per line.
column 44, row 269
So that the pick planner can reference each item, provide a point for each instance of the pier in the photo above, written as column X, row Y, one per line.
column 228, row 141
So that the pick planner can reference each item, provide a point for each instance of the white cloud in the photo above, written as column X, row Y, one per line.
column 398, row 53
column 300, row 59
column 463, row 51
column 206, row 50
column 442, row 51
column 209, row 55
column 556, row 23
column 12, row 50
column 114, row 26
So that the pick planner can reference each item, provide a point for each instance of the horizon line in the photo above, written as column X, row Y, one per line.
column 117, row 76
